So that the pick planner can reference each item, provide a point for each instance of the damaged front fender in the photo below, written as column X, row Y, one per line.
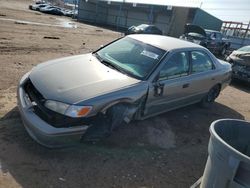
column 112, row 117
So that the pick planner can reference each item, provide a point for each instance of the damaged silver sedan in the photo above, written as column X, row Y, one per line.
column 87, row 96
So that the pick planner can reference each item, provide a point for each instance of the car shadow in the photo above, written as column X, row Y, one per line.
column 241, row 85
column 183, row 122
column 178, row 136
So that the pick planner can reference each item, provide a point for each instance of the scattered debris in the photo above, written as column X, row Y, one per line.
column 62, row 179
column 99, row 30
column 47, row 37
column 18, row 63
column 21, row 23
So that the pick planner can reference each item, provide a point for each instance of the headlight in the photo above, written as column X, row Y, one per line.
column 56, row 106
column 68, row 110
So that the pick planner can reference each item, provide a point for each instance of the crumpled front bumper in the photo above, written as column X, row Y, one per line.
column 238, row 71
column 41, row 131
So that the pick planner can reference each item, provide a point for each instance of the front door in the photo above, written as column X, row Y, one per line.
column 171, row 88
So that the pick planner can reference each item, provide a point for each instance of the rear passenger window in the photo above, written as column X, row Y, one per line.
column 201, row 62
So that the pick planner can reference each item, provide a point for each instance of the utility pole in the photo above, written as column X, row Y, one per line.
column 201, row 4
column 74, row 9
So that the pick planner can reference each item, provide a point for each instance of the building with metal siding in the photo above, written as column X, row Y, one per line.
column 121, row 15
column 206, row 20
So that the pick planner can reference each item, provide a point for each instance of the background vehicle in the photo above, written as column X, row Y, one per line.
column 52, row 10
column 135, row 77
column 68, row 13
column 212, row 40
column 240, row 60
column 40, row 2
column 37, row 7
column 144, row 29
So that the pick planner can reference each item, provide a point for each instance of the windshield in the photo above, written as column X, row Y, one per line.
column 244, row 49
column 130, row 56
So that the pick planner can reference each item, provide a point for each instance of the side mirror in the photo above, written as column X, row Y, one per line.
column 158, row 88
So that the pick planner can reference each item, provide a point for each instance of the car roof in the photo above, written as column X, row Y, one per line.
column 212, row 31
column 146, row 25
column 164, row 42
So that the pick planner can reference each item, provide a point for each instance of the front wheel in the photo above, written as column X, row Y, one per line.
column 105, row 124
column 210, row 97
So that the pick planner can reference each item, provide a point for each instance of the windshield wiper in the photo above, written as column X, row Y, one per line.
column 113, row 66
column 109, row 64
column 97, row 56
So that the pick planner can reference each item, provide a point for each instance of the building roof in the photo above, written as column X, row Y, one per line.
column 178, row 3
column 164, row 42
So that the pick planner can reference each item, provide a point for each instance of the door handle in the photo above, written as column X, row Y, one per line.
column 185, row 85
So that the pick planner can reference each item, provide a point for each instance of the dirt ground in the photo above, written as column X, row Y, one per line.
column 169, row 150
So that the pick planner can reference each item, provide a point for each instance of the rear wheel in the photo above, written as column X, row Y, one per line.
column 210, row 96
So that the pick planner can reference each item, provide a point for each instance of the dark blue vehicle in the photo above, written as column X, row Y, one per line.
column 52, row 10
column 144, row 29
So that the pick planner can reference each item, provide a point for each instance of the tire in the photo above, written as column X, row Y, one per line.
column 104, row 125
column 210, row 97
column 116, row 114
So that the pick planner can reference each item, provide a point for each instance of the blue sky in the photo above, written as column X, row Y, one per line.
column 227, row 10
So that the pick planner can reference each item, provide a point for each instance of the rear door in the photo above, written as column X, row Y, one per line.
column 203, row 74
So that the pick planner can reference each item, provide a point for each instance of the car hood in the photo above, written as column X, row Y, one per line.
column 77, row 78
column 241, row 57
column 189, row 28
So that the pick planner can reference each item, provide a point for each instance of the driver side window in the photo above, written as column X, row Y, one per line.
column 176, row 66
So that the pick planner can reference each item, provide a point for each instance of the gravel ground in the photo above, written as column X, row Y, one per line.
column 169, row 150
